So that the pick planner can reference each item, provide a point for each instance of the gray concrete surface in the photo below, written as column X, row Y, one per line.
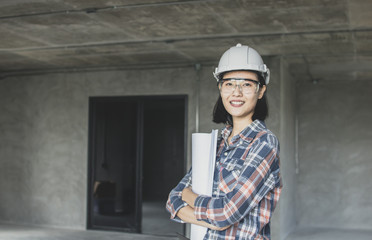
column 155, row 220
column 19, row 232
column 44, row 134
column 287, row 138
column 57, row 35
column 334, row 187
column 329, row 234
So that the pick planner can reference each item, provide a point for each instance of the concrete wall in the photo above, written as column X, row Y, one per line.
column 44, row 134
column 287, row 150
column 43, row 141
column 335, row 139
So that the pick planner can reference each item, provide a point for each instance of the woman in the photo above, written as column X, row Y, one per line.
column 247, row 181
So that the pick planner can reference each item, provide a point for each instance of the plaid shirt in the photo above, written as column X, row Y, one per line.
column 246, row 187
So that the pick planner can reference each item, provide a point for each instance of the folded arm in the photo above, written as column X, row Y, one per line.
column 188, row 213
column 180, row 204
column 254, row 182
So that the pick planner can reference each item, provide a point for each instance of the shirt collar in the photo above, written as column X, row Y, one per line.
column 248, row 134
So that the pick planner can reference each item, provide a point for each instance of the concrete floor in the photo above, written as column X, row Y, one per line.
column 155, row 225
column 155, row 220
column 18, row 232
column 330, row 234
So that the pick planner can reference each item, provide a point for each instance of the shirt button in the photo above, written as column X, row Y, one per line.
column 241, row 142
column 225, row 154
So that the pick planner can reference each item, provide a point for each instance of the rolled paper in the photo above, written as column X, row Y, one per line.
column 204, row 146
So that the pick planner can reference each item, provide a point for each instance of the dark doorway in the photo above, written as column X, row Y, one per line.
column 136, row 155
column 163, row 162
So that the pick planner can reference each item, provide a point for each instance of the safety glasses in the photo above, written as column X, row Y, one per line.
column 246, row 85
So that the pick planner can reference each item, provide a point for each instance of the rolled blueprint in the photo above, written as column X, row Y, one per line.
column 204, row 146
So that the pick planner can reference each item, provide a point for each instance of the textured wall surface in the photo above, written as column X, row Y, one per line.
column 287, row 151
column 44, row 134
column 43, row 125
column 335, row 139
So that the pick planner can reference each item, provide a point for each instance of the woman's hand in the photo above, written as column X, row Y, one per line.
column 187, row 214
column 218, row 228
column 189, row 196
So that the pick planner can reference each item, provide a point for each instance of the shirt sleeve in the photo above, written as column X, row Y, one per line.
column 255, row 181
column 175, row 202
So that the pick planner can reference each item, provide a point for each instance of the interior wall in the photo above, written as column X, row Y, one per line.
column 44, row 132
column 335, row 139
column 287, row 150
column 43, row 145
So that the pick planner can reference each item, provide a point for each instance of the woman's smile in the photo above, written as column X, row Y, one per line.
column 236, row 103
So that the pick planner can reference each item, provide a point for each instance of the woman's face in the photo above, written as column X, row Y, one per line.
column 240, row 103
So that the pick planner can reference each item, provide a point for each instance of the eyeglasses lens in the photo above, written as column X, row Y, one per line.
column 245, row 86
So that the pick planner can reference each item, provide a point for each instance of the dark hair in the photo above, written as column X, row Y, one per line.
column 261, row 111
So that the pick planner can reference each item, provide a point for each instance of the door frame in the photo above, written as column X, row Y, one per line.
column 140, row 100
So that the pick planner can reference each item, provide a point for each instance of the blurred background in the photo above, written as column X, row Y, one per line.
column 98, row 101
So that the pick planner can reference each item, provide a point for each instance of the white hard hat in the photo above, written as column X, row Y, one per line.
column 242, row 57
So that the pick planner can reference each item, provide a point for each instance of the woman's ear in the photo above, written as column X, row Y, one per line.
column 262, row 91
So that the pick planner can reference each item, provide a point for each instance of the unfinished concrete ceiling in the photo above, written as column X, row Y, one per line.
column 321, row 39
